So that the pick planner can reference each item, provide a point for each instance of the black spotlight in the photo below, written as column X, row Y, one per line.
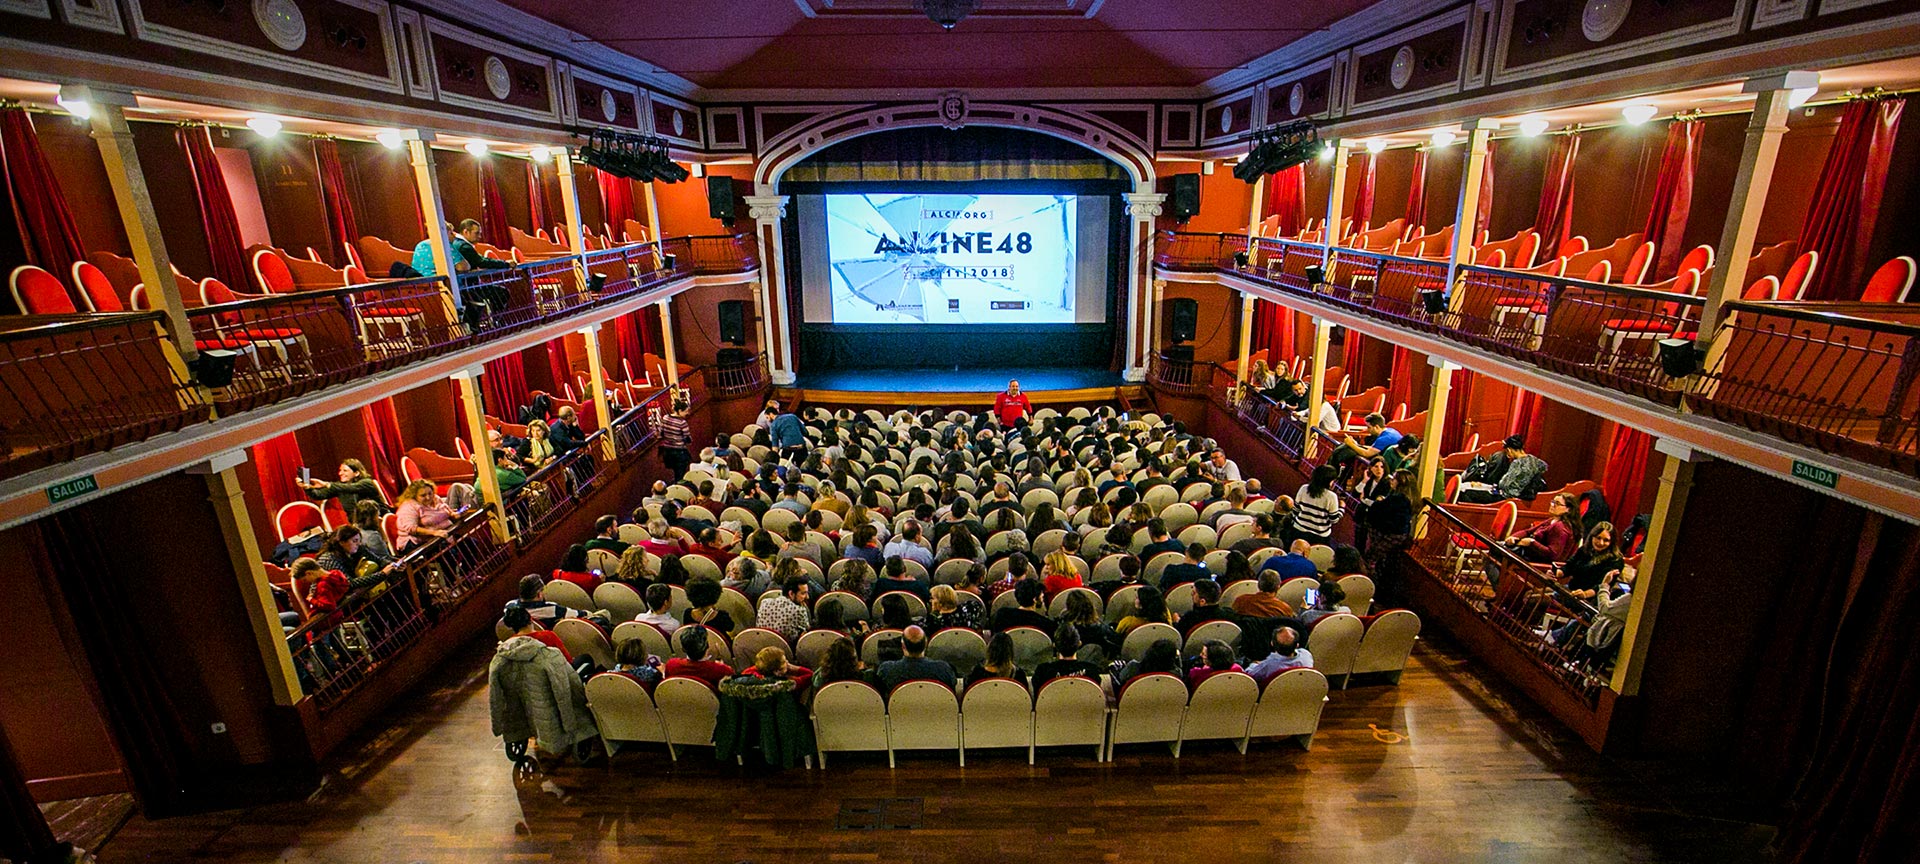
column 1240, row 259
column 1316, row 274
column 1679, row 357
column 1434, row 299
column 596, row 282
column 213, row 369
column 667, row 261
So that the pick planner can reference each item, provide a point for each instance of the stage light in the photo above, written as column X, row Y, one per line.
column 1638, row 114
column 947, row 13
column 1679, row 357
column 1375, row 145
column 1327, row 151
column 1533, row 127
column 264, row 126
column 80, row 108
column 1441, row 138
column 1240, row 259
column 477, row 148
column 1433, row 300
column 540, row 154
column 1316, row 275
column 213, row 369
column 1798, row 96
column 390, row 139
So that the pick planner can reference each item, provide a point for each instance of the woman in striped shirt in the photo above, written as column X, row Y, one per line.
column 1316, row 507
column 675, row 438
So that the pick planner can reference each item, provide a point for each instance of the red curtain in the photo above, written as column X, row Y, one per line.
column 616, row 199
column 1363, row 197
column 503, row 386
column 1350, row 355
column 1672, row 199
column 1400, row 382
column 1484, row 215
column 460, row 409
column 1846, row 200
column 217, row 218
column 1287, row 198
column 629, row 342
column 1554, row 220
column 1459, row 402
column 537, row 199
column 1417, row 191
column 493, row 210
column 1273, row 331
column 1529, row 412
column 279, row 462
column 559, row 367
column 333, row 191
column 384, row 443
column 1626, row 471
column 47, row 230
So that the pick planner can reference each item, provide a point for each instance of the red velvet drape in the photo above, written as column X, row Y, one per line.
column 1846, row 200
column 1400, row 382
column 217, row 218
column 1672, row 199
column 1484, row 215
column 1273, row 331
column 629, row 342
column 1459, row 401
column 537, row 208
column 333, row 192
column 1350, row 356
column 1417, row 192
column 1363, row 196
column 460, row 410
column 384, row 443
column 559, row 366
column 1529, row 412
column 279, row 462
column 503, row 386
column 616, row 199
column 493, row 209
column 47, row 229
column 1554, row 220
column 1626, row 471
column 1287, row 198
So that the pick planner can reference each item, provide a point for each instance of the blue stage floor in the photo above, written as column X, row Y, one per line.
column 961, row 381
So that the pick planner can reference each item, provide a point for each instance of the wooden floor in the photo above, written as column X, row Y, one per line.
column 1443, row 768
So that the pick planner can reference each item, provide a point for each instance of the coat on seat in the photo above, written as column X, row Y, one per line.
column 533, row 693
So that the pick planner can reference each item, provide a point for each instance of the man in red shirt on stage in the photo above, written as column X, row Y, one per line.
column 1012, row 408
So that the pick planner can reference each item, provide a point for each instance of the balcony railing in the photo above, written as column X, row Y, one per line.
column 731, row 379
column 708, row 254
column 71, row 385
column 556, row 489
column 1179, row 250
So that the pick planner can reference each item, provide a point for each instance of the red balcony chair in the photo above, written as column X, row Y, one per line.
column 272, row 272
column 234, row 326
column 298, row 517
column 96, row 290
column 444, row 471
column 1771, row 261
column 1571, row 246
column 1466, row 547
column 1794, row 283
column 460, row 447
column 638, row 233
column 138, row 303
column 1662, row 321
column 314, row 255
column 1454, row 463
column 1355, row 408
column 353, row 257
column 390, row 529
column 1520, row 250
column 1408, row 424
column 1635, row 272
column 379, row 256
column 37, row 292
column 120, row 270
column 375, row 319
column 1890, row 283
column 1763, row 288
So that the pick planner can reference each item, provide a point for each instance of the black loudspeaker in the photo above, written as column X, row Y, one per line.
column 720, row 198
column 1186, row 196
column 1183, row 318
column 733, row 322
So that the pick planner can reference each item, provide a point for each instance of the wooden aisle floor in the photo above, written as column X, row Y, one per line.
column 1447, row 767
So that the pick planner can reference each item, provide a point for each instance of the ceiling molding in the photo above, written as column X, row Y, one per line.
column 563, row 44
column 1361, row 26
column 788, row 96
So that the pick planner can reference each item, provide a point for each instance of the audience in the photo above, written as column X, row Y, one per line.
column 1266, row 602
column 786, row 613
column 1150, row 607
column 659, row 599
column 1287, row 654
column 1189, row 569
column 703, row 594
column 894, row 576
column 699, row 662
column 1328, row 599
column 999, row 663
column 914, row 666
column 1065, row 663
column 946, row 611
column 1031, row 611
column 573, row 568
column 1206, row 607
column 1216, row 657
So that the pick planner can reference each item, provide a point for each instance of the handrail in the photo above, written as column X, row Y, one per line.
column 740, row 379
column 1833, row 312
column 37, row 326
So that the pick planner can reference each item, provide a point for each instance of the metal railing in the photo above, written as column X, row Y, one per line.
column 637, row 428
column 738, row 379
column 1181, row 250
column 708, row 254
column 1285, row 262
column 555, row 490
column 1517, row 599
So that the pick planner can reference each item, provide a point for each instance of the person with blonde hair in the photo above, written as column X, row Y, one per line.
column 1060, row 574
column 946, row 610
column 634, row 572
column 539, row 448
column 420, row 515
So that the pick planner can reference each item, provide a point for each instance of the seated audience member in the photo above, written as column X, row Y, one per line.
column 1552, row 538
column 632, row 660
column 999, row 662
column 1330, row 600
column 1215, row 657
column 699, row 662
column 771, row 664
column 606, row 535
column 799, row 546
column 840, row 662
column 420, row 516
column 677, row 518
column 790, row 500
column 712, row 546
column 749, row 576
column 1594, row 563
column 894, row 576
column 1150, row 607
column 1032, row 611
column 1266, row 602
column 909, row 545
column 1190, row 569
column 894, row 612
column 959, row 517
column 1365, row 446
column 1079, row 611
column 533, row 599
column 866, row 547
column 672, row 571
column 944, row 610
column 1158, row 540
column 1129, row 575
column 1002, row 500
column 346, row 553
column 657, row 497
column 787, row 612
column 914, row 665
column 704, row 498
column 1161, row 656
column 703, row 595
column 1510, row 473
column 659, row 598
column 1236, row 511
column 831, row 617
column 1066, row 644
column 855, row 578
column 520, row 623
column 573, row 568
column 355, row 485
column 507, row 474
column 634, row 571
column 1219, row 468
column 1287, row 654
column 1060, row 574
column 1293, row 564
column 1403, row 455
column 367, row 516
column 661, row 540
column 963, row 546
column 1017, row 570
column 1206, row 607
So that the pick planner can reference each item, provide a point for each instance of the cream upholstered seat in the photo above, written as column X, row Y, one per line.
column 1144, row 635
column 1221, row 707
column 849, row 716
column 751, row 641
column 1069, row 712
column 689, row 711
column 623, row 711
column 1150, row 709
column 1335, row 643
column 998, row 712
column 961, row 648
column 619, row 599
column 923, row 715
column 583, row 639
column 1290, row 706
column 1387, row 643
column 1225, row 631
column 648, row 635
column 1359, row 590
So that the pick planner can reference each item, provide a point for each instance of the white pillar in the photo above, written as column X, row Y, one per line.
column 668, row 356
column 570, row 200
column 1142, row 208
column 1467, row 211
column 1764, row 129
column 766, row 212
column 1336, row 203
column 1246, row 337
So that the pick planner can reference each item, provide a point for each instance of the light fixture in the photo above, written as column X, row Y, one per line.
column 1442, row 138
column 1327, row 151
column 264, row 126
column 1639, row 113
column 80, row 108
column 540, row 154
column 390, row 139
column 699, row 169
column 1796, row 97
column 1433, row 300
column 947, row 13
column 1679, row 357
column 1375, row 145
column 1533, row 126
column 1206, row 167
column 477, row 148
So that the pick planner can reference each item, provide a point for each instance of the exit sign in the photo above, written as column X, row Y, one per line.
column 1815, row 474
column 72, row 489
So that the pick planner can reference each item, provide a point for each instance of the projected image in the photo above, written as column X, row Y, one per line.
column 951, row 259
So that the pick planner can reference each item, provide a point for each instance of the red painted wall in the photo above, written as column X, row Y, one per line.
column 1225, row 201
column 683, row 205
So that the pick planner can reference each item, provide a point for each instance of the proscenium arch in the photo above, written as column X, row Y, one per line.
column 794, row 145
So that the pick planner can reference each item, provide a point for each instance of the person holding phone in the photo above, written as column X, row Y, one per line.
column 355, row 485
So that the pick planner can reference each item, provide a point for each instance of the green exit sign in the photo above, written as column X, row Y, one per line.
column 1815, row 474
column 72, row 488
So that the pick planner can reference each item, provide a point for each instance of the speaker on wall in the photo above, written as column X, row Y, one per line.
column 1185, row 197
column 733, row 322
column 720, row 198
column 1183, row 318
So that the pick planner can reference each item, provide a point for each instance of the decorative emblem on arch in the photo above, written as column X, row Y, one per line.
column 953, row 109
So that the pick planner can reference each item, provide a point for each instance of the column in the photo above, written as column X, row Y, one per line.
column 115, row 140
column 1317, row 383
column 1336, row 202
column 263, row 615
column 1253, row 220
column 1764, row 128
column 570, row 200
column 484, row 480
column 1246, row 337
column 767, row 211
column 1479, row 132
column 597, row 382
column 668, row 354
column 1142, row 209
column 426, row 182
column 1676, row 482
column 653, row 211
column 1427, row 475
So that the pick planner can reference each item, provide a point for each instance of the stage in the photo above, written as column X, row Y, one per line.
column 963, row 387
